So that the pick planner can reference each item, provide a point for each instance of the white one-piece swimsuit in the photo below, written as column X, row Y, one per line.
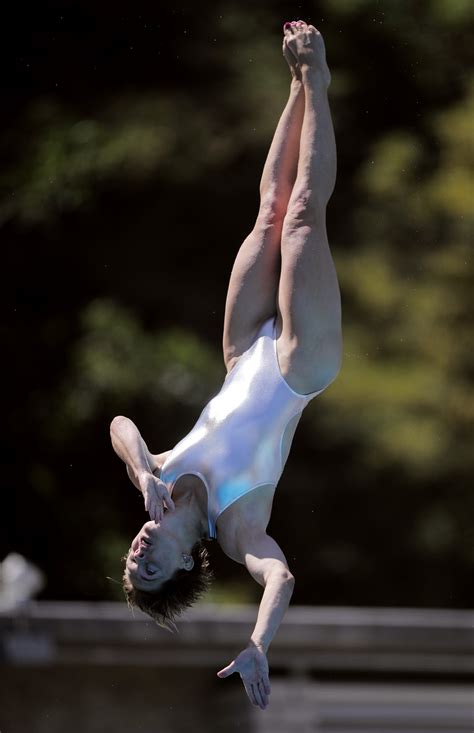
column 235, row 445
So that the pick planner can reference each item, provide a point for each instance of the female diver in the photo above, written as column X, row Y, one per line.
column 282, row 346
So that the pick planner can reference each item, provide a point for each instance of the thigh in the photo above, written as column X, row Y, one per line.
column 310, row 342
column 252, row 292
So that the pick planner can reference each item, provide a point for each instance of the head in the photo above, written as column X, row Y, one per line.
column 162, row 579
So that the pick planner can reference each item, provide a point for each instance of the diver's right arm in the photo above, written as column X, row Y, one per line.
column 141, row 465
column 131, row 448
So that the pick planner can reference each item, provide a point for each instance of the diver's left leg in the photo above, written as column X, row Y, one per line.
column 253, row 286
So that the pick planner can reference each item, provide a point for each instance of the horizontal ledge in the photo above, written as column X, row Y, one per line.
column 309, row 640
column 302, row 615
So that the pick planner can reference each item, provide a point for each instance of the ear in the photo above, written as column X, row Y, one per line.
column 188, row 562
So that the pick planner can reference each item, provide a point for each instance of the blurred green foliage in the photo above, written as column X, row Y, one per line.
column 129, row 207
column 117, row 360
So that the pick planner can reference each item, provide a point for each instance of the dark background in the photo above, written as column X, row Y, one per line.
column 133, row 139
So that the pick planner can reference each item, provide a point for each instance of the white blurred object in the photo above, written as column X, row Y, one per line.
column 20, row 580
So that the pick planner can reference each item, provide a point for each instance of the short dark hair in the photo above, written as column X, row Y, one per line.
column 176, row 594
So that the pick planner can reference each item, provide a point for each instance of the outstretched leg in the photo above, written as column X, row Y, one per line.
column 253, row 286
column 309, row 303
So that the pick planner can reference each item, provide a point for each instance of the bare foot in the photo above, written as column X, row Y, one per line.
column 307, row 45
column 289, row 55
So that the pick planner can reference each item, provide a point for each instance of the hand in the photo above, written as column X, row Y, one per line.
column 156, row 496
column 252, row 666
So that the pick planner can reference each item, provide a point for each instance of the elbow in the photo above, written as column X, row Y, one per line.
column 288, row 585
column 285, row 578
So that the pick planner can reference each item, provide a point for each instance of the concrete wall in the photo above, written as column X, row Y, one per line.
column 85, row 668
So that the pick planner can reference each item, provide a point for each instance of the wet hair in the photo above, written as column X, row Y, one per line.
column 176, row 594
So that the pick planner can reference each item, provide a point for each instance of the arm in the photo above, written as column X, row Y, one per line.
column 130, row 447
column 267, row 564
column 157, row 459
column 142, row 466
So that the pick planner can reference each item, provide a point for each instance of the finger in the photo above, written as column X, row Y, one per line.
column 154, row 511
column 230, row 669
column 250, row 692
column 258, row 695
column 165, row 496
column 169, row 503
column 158, row 512
column 261, row 689
column 266, row 685
column 150, row 506
column 253, row 695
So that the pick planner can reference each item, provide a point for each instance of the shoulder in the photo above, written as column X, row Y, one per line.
column 263, row 557
column 157, row 460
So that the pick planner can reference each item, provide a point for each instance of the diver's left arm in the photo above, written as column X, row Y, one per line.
column 267, row 564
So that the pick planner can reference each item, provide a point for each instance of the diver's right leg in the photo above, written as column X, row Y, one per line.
column 253, row 286
column 309, row 300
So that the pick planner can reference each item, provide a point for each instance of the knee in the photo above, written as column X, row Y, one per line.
column 272, row 209
column 305, row 210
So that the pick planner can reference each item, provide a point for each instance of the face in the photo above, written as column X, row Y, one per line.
column 153, row 558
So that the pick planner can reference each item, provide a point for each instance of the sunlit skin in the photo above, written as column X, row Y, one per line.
column 164, row 546
column 284, row 267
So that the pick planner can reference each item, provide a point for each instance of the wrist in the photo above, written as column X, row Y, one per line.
column 143, row 475
column 257, row 644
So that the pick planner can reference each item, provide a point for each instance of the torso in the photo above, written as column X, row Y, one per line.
column 252, row 511
column 249, row 514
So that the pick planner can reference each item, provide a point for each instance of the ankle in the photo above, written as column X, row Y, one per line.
column 315, row 77
column 296, row 85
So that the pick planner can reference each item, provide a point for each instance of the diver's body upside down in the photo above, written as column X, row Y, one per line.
column 282, row 346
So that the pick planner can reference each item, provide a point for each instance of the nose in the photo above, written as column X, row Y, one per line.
column 140, row 553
